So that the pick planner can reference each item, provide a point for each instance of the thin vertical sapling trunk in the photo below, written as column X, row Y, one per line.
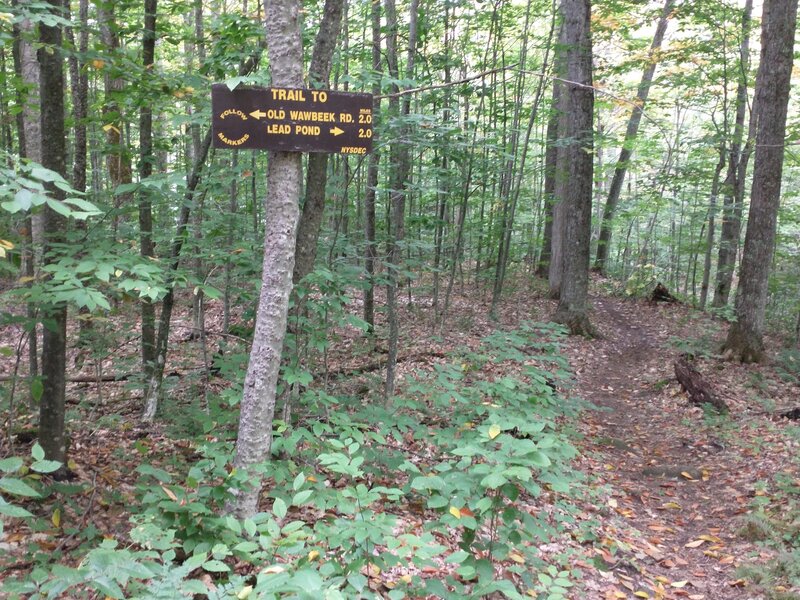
column 632, row 130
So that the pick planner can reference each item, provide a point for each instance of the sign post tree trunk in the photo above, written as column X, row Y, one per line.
column 285, row 49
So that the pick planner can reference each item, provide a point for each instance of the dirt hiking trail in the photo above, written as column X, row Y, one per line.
column 679, row 483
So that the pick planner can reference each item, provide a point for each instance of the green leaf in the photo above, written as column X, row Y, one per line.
column 250, row 527
column 432, row 482
column 216, row 566
column 540, row 458
column 17, row 487
column 37, row 452
column 126, row 188
column 46, row 466
column 301, row 497
column 493, row 480
column 37, row 389
column 11, row 510
column 298, row 482
column 160, row 474
column 457, row 557
column 59, row 207
column 23, row 200
column 279, row 508
column 11, row 464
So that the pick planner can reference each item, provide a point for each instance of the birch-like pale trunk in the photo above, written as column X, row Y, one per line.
column 253, row 443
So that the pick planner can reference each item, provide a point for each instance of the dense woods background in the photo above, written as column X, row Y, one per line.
column 521, row 147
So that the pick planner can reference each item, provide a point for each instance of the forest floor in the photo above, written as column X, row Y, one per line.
column 685, row 503
column 683, row 484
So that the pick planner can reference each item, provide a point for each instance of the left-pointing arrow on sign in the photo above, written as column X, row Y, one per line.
column 257, row 114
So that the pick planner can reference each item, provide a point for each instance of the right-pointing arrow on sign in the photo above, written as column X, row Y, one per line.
column 337, row 131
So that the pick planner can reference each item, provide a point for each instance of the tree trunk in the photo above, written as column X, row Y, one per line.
column 145, row 206
column 508, row 222
column 153, row 391
column 551, row 152
column 399, row 179
column 118, row 159
column 735, row 178
column 30, row 136
column 51, row 92
column 604, row 241
column 282, row 204
column 370, row 252
column 712, row 210
column 317, row 169
column 779, row 21
column 574, row 167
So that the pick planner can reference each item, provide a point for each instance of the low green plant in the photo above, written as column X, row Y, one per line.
column 21, row 478
column 340, row 483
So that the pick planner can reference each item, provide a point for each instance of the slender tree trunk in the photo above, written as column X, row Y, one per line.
column 399, row 180
column 574, row 170
column 733, row 186
column 145, row 206
column 779, row 21
column 317, row 169
column 370, row 250
column 551, row 151
column 505, row 242
column 30, row 136
column 282, row 204
column 118, row 159
column 153, row 392
column 604, row 241
column 54, row 346
column 712, row 210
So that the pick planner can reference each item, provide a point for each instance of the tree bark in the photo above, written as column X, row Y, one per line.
column 604, row 241
column 779, row 21
column 370, row 252
column 550, row 156
column 574, row 167
column 253, row 443
column 118, row 159
column 54, row 345
column 30, row 141
column 317, row 169
column 712, row 212
column 148, row 348
column 399, row 179
column 734, row 179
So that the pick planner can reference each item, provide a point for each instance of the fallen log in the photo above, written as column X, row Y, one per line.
column 699, row 390
column 792, row 414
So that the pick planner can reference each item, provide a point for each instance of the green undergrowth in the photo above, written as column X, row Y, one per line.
column 773, row 523
column 449, row 492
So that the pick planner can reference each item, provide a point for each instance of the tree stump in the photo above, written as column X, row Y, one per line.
column 661, row 294
column 699, row 390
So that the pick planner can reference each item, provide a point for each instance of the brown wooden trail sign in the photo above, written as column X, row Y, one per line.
column 291, row 120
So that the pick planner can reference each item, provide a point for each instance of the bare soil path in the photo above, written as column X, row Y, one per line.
column 678, row 482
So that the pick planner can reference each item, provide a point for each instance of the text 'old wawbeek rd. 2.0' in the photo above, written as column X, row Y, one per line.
column 291, row 120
